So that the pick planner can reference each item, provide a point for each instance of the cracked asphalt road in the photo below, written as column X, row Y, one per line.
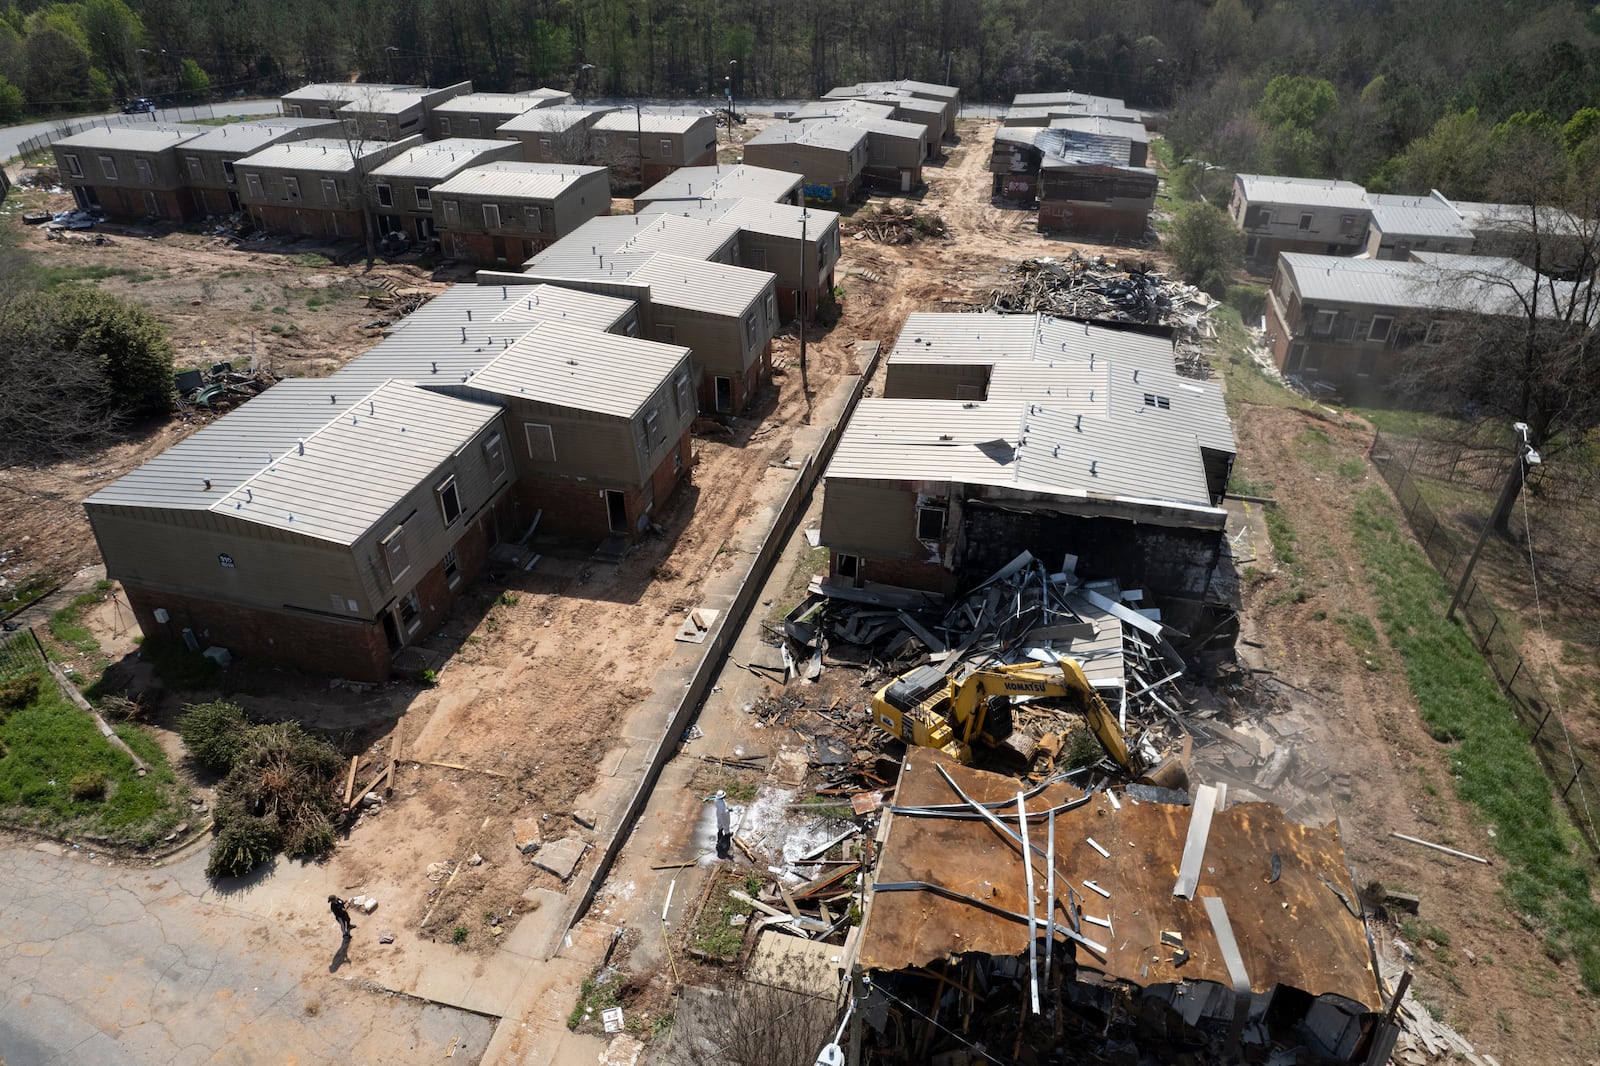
column 121, row 966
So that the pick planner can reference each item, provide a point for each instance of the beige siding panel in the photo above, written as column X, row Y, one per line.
column 871, row 518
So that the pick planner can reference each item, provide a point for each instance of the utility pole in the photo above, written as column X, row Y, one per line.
column 638, row 139
column 733, row 107
column 800, row 307
column 1526, row 456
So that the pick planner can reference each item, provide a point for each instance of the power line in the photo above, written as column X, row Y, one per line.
column 963, row 1040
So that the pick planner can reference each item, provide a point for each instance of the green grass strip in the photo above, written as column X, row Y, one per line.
column 1491, row 756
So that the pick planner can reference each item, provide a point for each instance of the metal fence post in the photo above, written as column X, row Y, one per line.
column 1574, row 780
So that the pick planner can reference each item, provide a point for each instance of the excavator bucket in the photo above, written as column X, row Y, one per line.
column 1104, row 725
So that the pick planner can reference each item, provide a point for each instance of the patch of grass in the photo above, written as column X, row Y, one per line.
column 1416, row 931
column 179, row 668
column 599, row 991
column 1352, row 469
column 714, row 932
column 459, row 934
column 826, row 807
column 61, row 776
column 1359, row 632
column 56, row 276
column 1494, row 767
column 1284, row 542
column 1243, row 381
column 1405, row 423
column 31, row 588
column 739, row 791
column 508, row 599
column 311, row 259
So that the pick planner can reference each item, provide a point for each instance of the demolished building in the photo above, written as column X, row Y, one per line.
column 1167, row 932
column 1002, row 433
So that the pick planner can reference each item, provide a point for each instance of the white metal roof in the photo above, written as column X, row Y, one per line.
column 442, row 159
column 1063, row 97
column 358, row 465
column 363, row 451
column 648, row 121
column 615, row 235
column 1072, row 409
column 385, row 99
column 516, row 180
column 756, row 216
column 323, row 91
column 246, row 137
column 565, row 366
column 508, row 104
column 845, row 108
column 330, row 154
column 715, row 288
column 552, row 119
column 150, row 138
column 837, row 136
column 883, row 127
column 1427, row 281
column 717, row 182
column 1518, row 218
column 466, row 327
column 1307, row 192
column 1106, row 125
column 1421, row 216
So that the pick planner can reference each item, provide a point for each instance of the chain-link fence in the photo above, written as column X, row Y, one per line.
column 1402, row 462
column 20, row 654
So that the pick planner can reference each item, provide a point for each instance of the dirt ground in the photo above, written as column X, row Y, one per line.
column 546, row 662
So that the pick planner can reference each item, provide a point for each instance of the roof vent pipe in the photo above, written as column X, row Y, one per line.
column 503, row 294
column 372, row 407
column 463, row 334
column 469, row 314
column 208, row 484
column 249, row 496
column 1079, row 426
column 333, row 398
column 300, row 446
column 435, row 366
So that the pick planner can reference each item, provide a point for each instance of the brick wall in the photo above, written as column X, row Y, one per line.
column 479, row 248
column 355, row 648
column 1278, row 333
column 578, row 508
column 130, row 204
column 1084, row 218
column 745, row 385
column 211, row 202
column 907, row 574
column 307, row 221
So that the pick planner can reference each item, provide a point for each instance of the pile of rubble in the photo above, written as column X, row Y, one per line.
column 1022, row 614
column 1091, row 287
column 896, row 224
column 220, row 387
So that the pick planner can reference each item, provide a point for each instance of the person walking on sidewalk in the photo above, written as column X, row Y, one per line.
column 340, row 914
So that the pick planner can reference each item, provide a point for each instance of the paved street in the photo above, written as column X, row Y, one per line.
column 119, row 966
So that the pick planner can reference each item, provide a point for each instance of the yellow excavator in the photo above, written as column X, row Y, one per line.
column 927, row 708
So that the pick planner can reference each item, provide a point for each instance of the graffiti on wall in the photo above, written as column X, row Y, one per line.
column 824, row 193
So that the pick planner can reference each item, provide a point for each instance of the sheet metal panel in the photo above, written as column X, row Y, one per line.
column 1295, row 932
column 442, row 159
column 721, row 183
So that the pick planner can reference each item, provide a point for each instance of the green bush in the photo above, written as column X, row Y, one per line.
column 284, row 777
column 1249, row 300
column 214, row 733
column 1206, row 246
column 243, row 843
column 17, row 692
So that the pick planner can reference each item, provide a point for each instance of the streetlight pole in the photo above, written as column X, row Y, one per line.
column 388, row 56
column 733, row 108
column 800, row 304
column 638, row 140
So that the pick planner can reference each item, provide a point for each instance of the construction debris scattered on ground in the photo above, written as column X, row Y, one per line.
column 220, row 387
column 1091, row 287
column 895, row 223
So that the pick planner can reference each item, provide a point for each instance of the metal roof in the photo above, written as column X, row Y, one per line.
column 1517, row 218
column 756, row 216
column 1050, row 112
column 329, row 154
column 1421, row 216
column 552, row 119
column 1072, row 409
column 714, row 288
column 1291, row 932
column 837, row 136
column 385, row 99
column 324, row 91
column 247, row 137
column 1105, row 125
column 442, row 159
column 1063, row 97
column 1426, row 282
column 565, row 366
column 466, row 327
column 133, row 138
column 648, row 121
column 844, row 109
column 616, row 235
column 1073, row 148
column 356, row 467
column 758, row 183
column 508, row 104
column 883, row 127
column 514, row 179
column 922, row 88
column 1302, row 192
column 361, row 456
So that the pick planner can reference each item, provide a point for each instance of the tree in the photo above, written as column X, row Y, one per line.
column 1206, row 246
column 1296, row 111
column 193, row 82
column 1532, row 354
column 1454, row 157
column 10, row 102
column 79, row 363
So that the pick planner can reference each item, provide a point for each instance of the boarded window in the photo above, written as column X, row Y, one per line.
column 142, row 166
column 652, row 428
column 449, row 500
column 541, row 442
column 930, row 521
column 291, row 189
column 491, row 216
column 197, row 170
column 330, row 191
column 74, row 167
column 108, row 167
column 758, row 259
column 385, row 196
column 544, row 146
column 1324, row 322
column 666, row 332
column 383, row 127
column 444, row 126
column 682, row 399
column 227, row 172
column 1379, row 330
column 452, row 213
column 666, row 148
column 474, row 126
column 494, row 454
column 252, row 183
column 423, row 202
column 1305, row 220
column 395, row 556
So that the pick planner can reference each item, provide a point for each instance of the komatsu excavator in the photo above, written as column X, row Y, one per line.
column 926, row 707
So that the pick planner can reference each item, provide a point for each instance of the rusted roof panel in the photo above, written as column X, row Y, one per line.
column 1295, row 932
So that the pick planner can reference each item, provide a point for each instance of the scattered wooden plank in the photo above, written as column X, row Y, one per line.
column 458, row 766
column 350, row 778
column 1439, row 847
column 674, row 865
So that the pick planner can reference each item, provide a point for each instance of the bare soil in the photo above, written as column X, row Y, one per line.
column 539, row 678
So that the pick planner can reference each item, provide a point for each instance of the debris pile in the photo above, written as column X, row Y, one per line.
column 895, row 223
column 220, row 387
column 1091, row 287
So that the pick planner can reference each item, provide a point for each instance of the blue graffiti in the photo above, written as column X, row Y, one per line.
column 818, row 192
